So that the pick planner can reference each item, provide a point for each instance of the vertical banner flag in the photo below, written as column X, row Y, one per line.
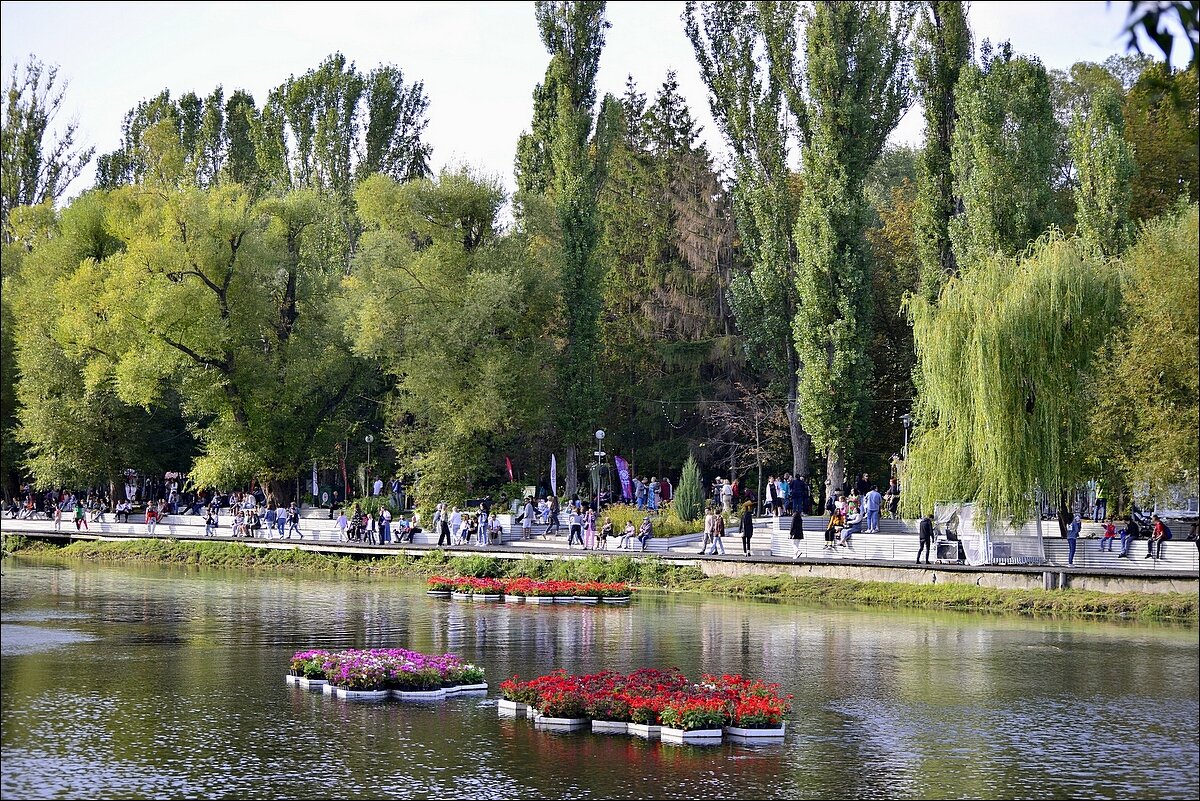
column 508, row 464
column 553, row 475
column 316, row 492
column 345, row 479
column 623, row 473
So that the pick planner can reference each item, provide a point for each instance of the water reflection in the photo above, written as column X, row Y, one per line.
column 169, row 682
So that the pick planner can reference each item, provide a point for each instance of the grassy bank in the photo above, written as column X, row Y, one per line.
column 649, row 573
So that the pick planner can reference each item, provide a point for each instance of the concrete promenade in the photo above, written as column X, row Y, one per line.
column 887, row 556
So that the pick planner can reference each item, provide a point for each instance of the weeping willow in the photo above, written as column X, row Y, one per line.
column 1002, row 357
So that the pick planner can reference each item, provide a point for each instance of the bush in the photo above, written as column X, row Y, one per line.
column 689, row 498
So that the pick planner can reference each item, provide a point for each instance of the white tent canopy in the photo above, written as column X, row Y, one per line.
column 991, row 542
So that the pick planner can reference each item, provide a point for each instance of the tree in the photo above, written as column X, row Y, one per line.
column 1002, row 155
column 452, row 311
column 748, row 105
column 666, row 329
column 1162, row 125
column 573, row 34
column 854, row 90
column 1145, row 414
column 222, row 306
column 73, row 428
column 689, row 496
column 942, row 49
column 1105, row 166
column 1005, row 356
column 36, row 166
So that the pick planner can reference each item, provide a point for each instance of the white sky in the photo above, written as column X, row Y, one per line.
column 479, row 61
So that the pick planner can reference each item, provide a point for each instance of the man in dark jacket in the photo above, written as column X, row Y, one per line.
column 925, row 530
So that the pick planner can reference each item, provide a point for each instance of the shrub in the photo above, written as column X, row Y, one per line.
column 689, row 498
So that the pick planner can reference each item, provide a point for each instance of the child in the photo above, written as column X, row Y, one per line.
column 1110, row 533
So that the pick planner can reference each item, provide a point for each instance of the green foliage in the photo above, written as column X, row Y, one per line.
column 1145, row 415
column 1105, row 166
column 455, row 313
column 689, row 496
column 749, row 107
column 942, row 49
column 1004, row 358
column 856, row 88
column 38, row 159
column 1162, row 125
column 1003, row 151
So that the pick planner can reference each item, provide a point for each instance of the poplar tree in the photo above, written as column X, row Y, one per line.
column 573, row 34
column 1104, row 164
column 1002, row 155
column 854, row 89
column 942, row 48
column 749, row 108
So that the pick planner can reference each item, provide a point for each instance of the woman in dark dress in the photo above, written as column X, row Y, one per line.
column 797, row 532
column 747, row 526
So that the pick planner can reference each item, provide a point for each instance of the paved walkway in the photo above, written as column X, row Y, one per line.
column 893, row 547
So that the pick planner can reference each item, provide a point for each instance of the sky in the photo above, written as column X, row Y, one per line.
column 479, row 61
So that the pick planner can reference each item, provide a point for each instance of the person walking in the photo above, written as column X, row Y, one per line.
column 718, row 534
column 708, row 529
column 58, row 510
column 797, row 532
column 727, row 497
column 151, row 519
column 1072, row 537
column 293, row 518
column 589, row 530
column 443, row 527
column 270, row 516
column 551, row 517
column 925, row 532
column 874, row 502
column 747, row 526
column 281, row 514
column 576, row 531
column 341, row 524
column 210, row 523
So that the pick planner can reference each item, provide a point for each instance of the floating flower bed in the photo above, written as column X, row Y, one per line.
column 653, row 704
column 528, row 590
column 379, row 673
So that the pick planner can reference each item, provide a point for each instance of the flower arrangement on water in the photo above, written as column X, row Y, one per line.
column 528, row 587
column 442, row 584
column 692, row 714
column 310, row 664
column 652, row 697
column 387, row 668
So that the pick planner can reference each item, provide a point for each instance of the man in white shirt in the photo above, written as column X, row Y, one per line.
column 377, row 487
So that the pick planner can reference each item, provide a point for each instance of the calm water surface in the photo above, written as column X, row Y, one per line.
column 165, row 682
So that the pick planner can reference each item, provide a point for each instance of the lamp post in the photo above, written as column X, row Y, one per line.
column 907, row 420
column 599, row 466
column 368, row 439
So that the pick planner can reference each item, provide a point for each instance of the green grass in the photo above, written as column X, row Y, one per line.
column 648, row 573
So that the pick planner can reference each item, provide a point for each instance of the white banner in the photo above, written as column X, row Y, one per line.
column 315, row 491
column 553, row 475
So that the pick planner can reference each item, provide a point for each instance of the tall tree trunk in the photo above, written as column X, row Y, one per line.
column 795, row 429
column 282, row 490
column 758, row 458
column 835, row 471
column 572, row 485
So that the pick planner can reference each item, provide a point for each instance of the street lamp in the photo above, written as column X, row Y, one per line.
column 368, row 439
column 599, row 466
column 907, row 420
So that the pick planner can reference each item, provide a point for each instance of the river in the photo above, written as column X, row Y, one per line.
column 168, row 682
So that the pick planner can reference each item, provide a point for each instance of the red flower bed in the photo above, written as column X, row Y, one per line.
column 653, row 697
column 529, row 587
